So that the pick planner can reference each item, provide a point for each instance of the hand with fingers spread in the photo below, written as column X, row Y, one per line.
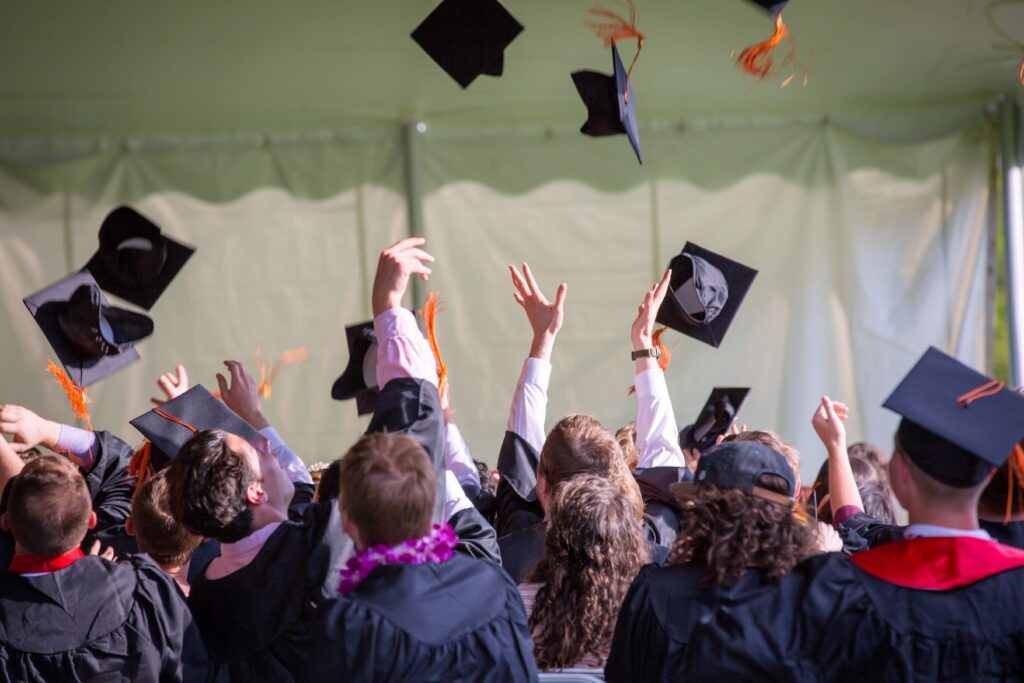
column 28, row 429
column 242, row 396
column 396, row 265
column 828, row 424
column 545, row 316
column 734, row 430
column 108, row 554
column 172, row 384
column 642, row 332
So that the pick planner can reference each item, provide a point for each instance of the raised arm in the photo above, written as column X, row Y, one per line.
column 657, row 436
column 842, row 487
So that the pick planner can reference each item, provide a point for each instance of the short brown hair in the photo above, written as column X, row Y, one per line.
column 626, row 436
column 49, row 506
column 388, row 488
column 773, row 441
column 580, row 444
column 158, row 534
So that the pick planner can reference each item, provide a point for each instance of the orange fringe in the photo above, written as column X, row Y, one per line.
column 666, row 355
column 1015, row 481
column 267, row 375
column 429, row 313
column 757, row 60
column 78, row 396
column 616, row 28
column 139, row 466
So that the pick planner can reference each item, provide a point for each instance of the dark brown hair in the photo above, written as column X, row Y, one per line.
column 158, row 534
column 207, row 482
column 594, row 548
column 48, row 506
column 730, row 532
column 388, row 489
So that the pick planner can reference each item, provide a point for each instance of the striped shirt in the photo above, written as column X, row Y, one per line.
column 528, row 592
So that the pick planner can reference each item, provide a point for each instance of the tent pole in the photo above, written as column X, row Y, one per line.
column 1013, row 224
column 413, row 199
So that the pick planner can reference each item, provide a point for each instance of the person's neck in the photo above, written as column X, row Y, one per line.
column 19, row 549
column 180, row 575
column 966, row 520
column 265, row 515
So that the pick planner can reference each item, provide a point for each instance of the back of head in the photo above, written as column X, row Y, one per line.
column 626, row 436
column 207, row 482
column 730, row 531
column 773, row 441
column 158, row 534
column 388, row 488
column 942, row 474
column 594, row 547
column 49, row 506
column 327, row 488
column 580, row 444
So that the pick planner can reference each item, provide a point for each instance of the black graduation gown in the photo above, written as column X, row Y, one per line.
column 457, row 622
column 861, row 532
column 95, row 621
column 110, row 485
column 897, row 613
column 1011, row 533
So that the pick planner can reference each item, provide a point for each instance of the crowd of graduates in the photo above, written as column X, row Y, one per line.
column 648, row 553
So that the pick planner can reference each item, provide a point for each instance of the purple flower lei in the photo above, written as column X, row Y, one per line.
column 436, row 547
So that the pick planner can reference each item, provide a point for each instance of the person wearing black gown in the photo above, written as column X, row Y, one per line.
column 65, row 616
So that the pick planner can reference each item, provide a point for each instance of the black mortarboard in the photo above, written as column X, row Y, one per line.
column 468, row 37
column 135, row 261
column 957, row 423
column 714, row 419
column 772, row 6
column 611, row 110
column 91, row 338
column 738, row 465
column 195, row 410
column 705, row 292
column 359, row 380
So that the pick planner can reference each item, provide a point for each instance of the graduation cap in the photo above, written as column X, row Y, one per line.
column 715, row 418
column 738, row 465
column 170, row 425
column 135, row 261
column 91, row 338
column 468, row 37
column 705, row 292
column 359, row 380
column 611, row 103
column 773, row 7
column 957, row 423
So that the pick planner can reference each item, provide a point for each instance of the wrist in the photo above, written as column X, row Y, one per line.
column 542, row 346
column 50, row 432
column 641, row 343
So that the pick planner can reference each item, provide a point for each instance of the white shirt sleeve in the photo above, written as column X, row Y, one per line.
column 291, row 463
column 530, row 403
column 455, row 499
column 457, row 457
column 657, row 436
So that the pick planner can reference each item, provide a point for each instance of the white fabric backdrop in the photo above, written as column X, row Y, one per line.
column 868, row 253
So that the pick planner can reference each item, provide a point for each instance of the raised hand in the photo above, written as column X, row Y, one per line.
column 242, row 396
column 643, row 327
column 172, row 384
column 828, row 424
column 396, row 265
column 28, row 429
column 545, row 316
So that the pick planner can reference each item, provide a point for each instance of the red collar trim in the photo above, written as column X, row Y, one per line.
column 39, row 564
column 937, row 563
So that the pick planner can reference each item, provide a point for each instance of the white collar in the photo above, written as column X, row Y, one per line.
column 933, row 531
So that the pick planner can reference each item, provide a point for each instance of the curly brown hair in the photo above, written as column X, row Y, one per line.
column 730, row 532
column 594, row 548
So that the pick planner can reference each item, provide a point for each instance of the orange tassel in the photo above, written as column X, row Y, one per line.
column 267, row 375
column 666, row 355
column 757, row 60
column 139, row 467
column 616, row 28
column 429, row 313
column 1015, row 481
column 78, row 396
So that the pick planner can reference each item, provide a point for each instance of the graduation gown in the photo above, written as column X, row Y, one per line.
column 95, row 621
column 924, row 609
column 461, row 621
column 861, row 532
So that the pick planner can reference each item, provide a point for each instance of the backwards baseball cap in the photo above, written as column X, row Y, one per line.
column 957, row 423
column 359, row 380
column 715, row 418
column 738, row 465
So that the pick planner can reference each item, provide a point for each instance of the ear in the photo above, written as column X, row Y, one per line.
column 92, row 519
column 255, row 495
column 542, row 492
column 351, row 529
column 5, row 523
column 129, row 527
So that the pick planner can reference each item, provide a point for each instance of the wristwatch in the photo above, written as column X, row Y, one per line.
column 654, row 353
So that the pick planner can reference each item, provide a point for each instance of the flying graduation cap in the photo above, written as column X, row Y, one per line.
column 359, row 380
column 705, row 293
column 468, row 37
column 135, row 261
column 611, row 100
column 715, row 418
column 91, row 338
column 759, row 60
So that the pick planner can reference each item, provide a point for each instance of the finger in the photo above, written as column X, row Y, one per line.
column 661, row 289
column 719, row 439
column 405, row 244
column 418, row 254
column 531, row 281
column 166, row 383
column 182, row 376
column 563, row 289
column 223, row 384
column 18, row 447
column 94, row 549
column 520, row 282
column 829, row 408
column 519, row 299
column 238, row 374
column 155, row 401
